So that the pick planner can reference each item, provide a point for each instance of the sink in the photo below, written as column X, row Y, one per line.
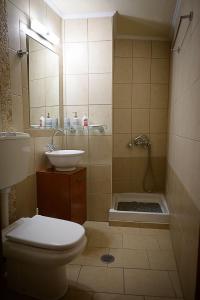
column 65, row 160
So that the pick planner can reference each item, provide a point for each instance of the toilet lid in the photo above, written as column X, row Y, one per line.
column 49, row 233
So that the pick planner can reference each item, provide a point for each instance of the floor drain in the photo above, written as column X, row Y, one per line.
column 107, row 258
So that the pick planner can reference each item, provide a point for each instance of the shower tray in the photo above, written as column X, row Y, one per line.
column 143, row 208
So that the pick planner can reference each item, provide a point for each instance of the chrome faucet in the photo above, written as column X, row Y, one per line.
column 142, row 140
column 52, row 146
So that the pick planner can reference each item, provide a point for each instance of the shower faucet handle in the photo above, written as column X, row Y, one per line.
column 130, row 145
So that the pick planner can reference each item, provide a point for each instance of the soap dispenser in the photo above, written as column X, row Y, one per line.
column 48, row 121
column 75, row 121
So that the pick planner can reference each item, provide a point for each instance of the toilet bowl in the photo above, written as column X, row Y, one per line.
column 37, row 250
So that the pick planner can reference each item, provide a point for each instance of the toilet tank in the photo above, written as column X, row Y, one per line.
column 15, row 153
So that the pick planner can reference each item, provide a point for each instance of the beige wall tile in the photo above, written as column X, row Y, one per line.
column 35, row 114
column 123, row 48
column 79, row 142
column 75, row 30
column 15, row 73
column 51, row 63
column 37, row 92
column 141, row 70
column 158, row 144
column 41, row 161
column 100, row 57
column 141, row 96
column 159, row 95
column 158, row 120
column 13, row 26
column 80, row 109
column 160, row 49
column 122, row 95
column 52, row 91
column 100, row 88
column 148, row 282
column 120, row 145
column 38, row 10
column 122, row 120
column 76, row 90
column 160, row 71
column 99, row 179
column 100, row 149
column 26, row 197
column 141, row 48
column 76, row 58
column 140, row 120
column 97, row 206
column 100, row 29
column 53, row 22
column 121, row 168
column 101, row 114
column 122, row 70
column 17, row 116
column 37, row 64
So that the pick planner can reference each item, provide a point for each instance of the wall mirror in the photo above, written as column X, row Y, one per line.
column 43, row 72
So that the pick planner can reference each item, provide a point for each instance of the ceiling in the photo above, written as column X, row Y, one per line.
column 152, row 10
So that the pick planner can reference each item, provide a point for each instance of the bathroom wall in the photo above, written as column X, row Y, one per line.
column 140, row 106
column 87, row 80
column 23, row 201
column 183, row 159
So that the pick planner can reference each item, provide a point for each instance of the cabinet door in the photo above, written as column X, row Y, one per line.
column 78, row 197
column 53, row 195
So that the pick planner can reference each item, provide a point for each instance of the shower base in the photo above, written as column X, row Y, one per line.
column 148, row 210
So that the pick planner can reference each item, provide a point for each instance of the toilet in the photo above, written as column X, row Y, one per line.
column 37, row 251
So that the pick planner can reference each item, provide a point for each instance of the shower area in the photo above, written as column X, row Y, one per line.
column 140, row 115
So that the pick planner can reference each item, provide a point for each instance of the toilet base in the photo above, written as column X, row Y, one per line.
column 38, row 281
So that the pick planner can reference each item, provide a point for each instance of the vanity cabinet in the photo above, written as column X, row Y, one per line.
column 62, row 194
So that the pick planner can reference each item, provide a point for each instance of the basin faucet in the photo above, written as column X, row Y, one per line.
column 52, row 146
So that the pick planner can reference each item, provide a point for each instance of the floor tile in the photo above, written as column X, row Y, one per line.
column 155, row 232
column 131, row 241
column 176, row 283
column 128, row 258
column 165, row 243
column 105, row 239
column 91, row 257
column 75, row 294
column 101, row 279
column 72, row 272
column 161, row 260
column 159, row 298
column 148, row 282
column 104, row 296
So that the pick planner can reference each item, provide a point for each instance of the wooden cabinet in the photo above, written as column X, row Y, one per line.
column 62, row 194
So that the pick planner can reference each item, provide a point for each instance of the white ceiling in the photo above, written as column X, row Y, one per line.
column 154, row 10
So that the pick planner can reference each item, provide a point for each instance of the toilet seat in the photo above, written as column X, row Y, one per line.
column 47, row 233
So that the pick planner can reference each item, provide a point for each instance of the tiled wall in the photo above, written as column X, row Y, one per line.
column 21, row 11
column 140, row 106
column 88, row 91
column 183, row 159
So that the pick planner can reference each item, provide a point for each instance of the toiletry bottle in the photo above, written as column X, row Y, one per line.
column 66, row 122
column 42, row 121
column 84, row 121
column 75, row 122
column 54, row 122
column 48, row 121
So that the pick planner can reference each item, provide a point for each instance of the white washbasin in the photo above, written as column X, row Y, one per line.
column 65, row 160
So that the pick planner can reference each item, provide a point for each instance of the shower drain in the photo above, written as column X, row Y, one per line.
column 107, row 258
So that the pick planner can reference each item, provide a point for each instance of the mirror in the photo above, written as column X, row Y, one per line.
column 43, row 86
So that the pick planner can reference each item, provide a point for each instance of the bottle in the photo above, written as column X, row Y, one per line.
column 48, row 121
column 66, row 122
column 54, row 122
column 42, row 121
column 75, row 122
column 84, row 121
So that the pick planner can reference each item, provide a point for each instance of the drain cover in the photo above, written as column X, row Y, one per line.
column 107, row 258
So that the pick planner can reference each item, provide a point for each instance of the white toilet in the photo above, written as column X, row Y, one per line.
column 37, row 249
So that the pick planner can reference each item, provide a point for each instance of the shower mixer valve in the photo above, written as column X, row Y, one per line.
column 141, row 140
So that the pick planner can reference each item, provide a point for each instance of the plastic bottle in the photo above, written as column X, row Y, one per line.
column 84, row 121
column 42, row 121
column 75, row 122
column 48, row 121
